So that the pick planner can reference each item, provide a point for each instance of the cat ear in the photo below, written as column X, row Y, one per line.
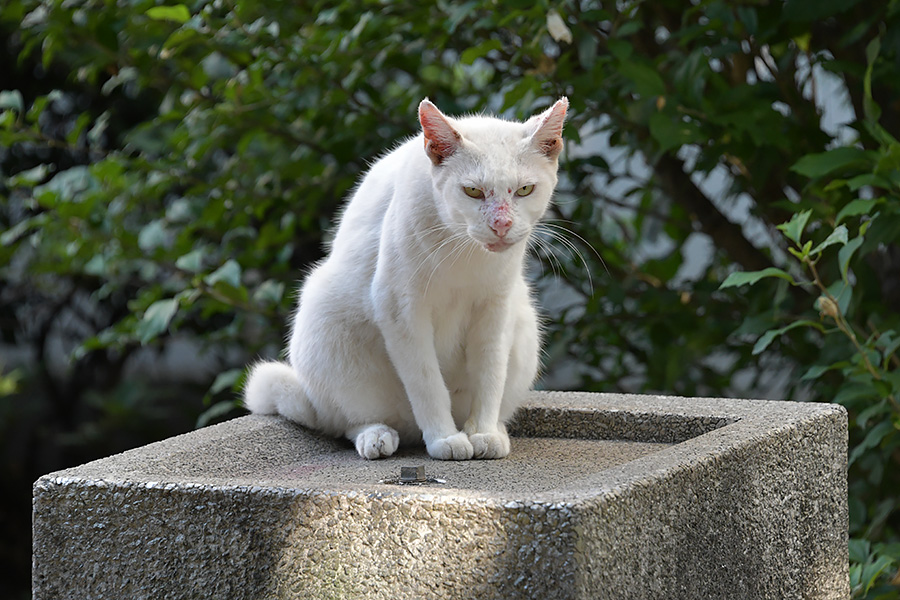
column 441, row 140
column 548, row 126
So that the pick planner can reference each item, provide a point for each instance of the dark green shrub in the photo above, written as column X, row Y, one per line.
column 169, row 172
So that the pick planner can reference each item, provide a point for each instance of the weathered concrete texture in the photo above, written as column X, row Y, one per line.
column 603, row 496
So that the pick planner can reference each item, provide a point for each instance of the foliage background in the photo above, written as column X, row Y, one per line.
column 169, row 171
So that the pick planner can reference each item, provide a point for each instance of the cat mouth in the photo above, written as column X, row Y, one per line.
column 498, row 246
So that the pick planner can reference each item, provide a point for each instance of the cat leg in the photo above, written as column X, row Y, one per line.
column 518, row 343
column 486, row 431
column 490, row 445
column 524, row 364
column 409, row 339
column 374, row 441
column 487, row 358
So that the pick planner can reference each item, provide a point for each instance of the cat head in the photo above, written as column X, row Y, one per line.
column 493, row 177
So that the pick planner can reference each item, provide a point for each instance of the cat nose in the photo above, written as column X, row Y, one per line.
column 500, row 225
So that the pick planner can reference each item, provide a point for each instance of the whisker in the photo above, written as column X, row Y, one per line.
column 556, row 232
column 432, row 251
column 547, row 250
column 455, row 252
column 533, row 243
column 449, row 241
column 558, row 250
column 571, row 247
column 549, row 223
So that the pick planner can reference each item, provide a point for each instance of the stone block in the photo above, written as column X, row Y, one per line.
column 604, row 496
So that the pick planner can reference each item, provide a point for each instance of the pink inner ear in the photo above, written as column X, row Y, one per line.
column 548, row 136
column 441, row 140
column 551, row 147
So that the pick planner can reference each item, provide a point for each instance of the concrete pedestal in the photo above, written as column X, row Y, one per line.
column 603, row 496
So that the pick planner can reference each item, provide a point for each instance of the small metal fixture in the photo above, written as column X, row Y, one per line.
column 412, row 476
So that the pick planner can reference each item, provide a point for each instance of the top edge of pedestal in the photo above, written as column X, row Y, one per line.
column 566, row 446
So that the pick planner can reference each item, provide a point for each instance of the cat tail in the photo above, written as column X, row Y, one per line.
column 274, row 388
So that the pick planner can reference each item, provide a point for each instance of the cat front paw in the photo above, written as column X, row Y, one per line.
column 377, row 441
column 490, row 445
column 454, row 447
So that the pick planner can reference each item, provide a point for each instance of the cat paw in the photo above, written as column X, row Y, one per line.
column 455, row 447
column 490, row 445
column 377, row 441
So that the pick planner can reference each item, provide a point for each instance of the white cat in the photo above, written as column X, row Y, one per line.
column 419, row 324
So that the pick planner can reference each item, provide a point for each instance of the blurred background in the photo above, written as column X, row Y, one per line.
column 727, row 221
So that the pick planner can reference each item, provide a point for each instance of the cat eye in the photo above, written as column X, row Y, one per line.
column 473, row 192
column 525, row 190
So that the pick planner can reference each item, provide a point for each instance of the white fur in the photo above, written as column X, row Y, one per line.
column 412, row 328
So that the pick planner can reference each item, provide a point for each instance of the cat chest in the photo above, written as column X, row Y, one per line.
column 459, row 321
column 451, row 321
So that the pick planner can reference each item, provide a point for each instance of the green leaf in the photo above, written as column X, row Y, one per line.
column 751, row 277
column 765, row 339
column 871, row 572
column 471, row 54
column 458, row 13
column 855, row 575
column 877, row 409
column 178, row 13
column 78, row 128
column 838, row 236
column 96, row 266
column 23, row 227
column 872, row 439
column 805, row 11
column 152, row 236
column 156, row 319
column 859, row 549
column 879, row 133
column 587, row 51
column 793, row 229
column 191, row 262
column 67, row 185
column 9, row 382
column 768, row 337
column 888, row 345
column 872, row 179
column 850, row 394
column 671, row 131
column 835, row 184
column 225, row 380
column 521, row 93
column 30, row 176
column 892, row 549
column 629, row 27
column 180, row 36
column 229, row 273
column 846, row 254
column 269, row 292
column 12, row 99
column 748, row 16
column 871, row 110
column 824, row 163
column 645, row 79
column 857, row 207
column 7, row 119
column 815, row 371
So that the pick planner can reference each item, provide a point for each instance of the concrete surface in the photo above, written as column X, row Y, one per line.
column 603, row 496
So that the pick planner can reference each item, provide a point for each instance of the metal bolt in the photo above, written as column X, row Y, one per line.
column 412, row 474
